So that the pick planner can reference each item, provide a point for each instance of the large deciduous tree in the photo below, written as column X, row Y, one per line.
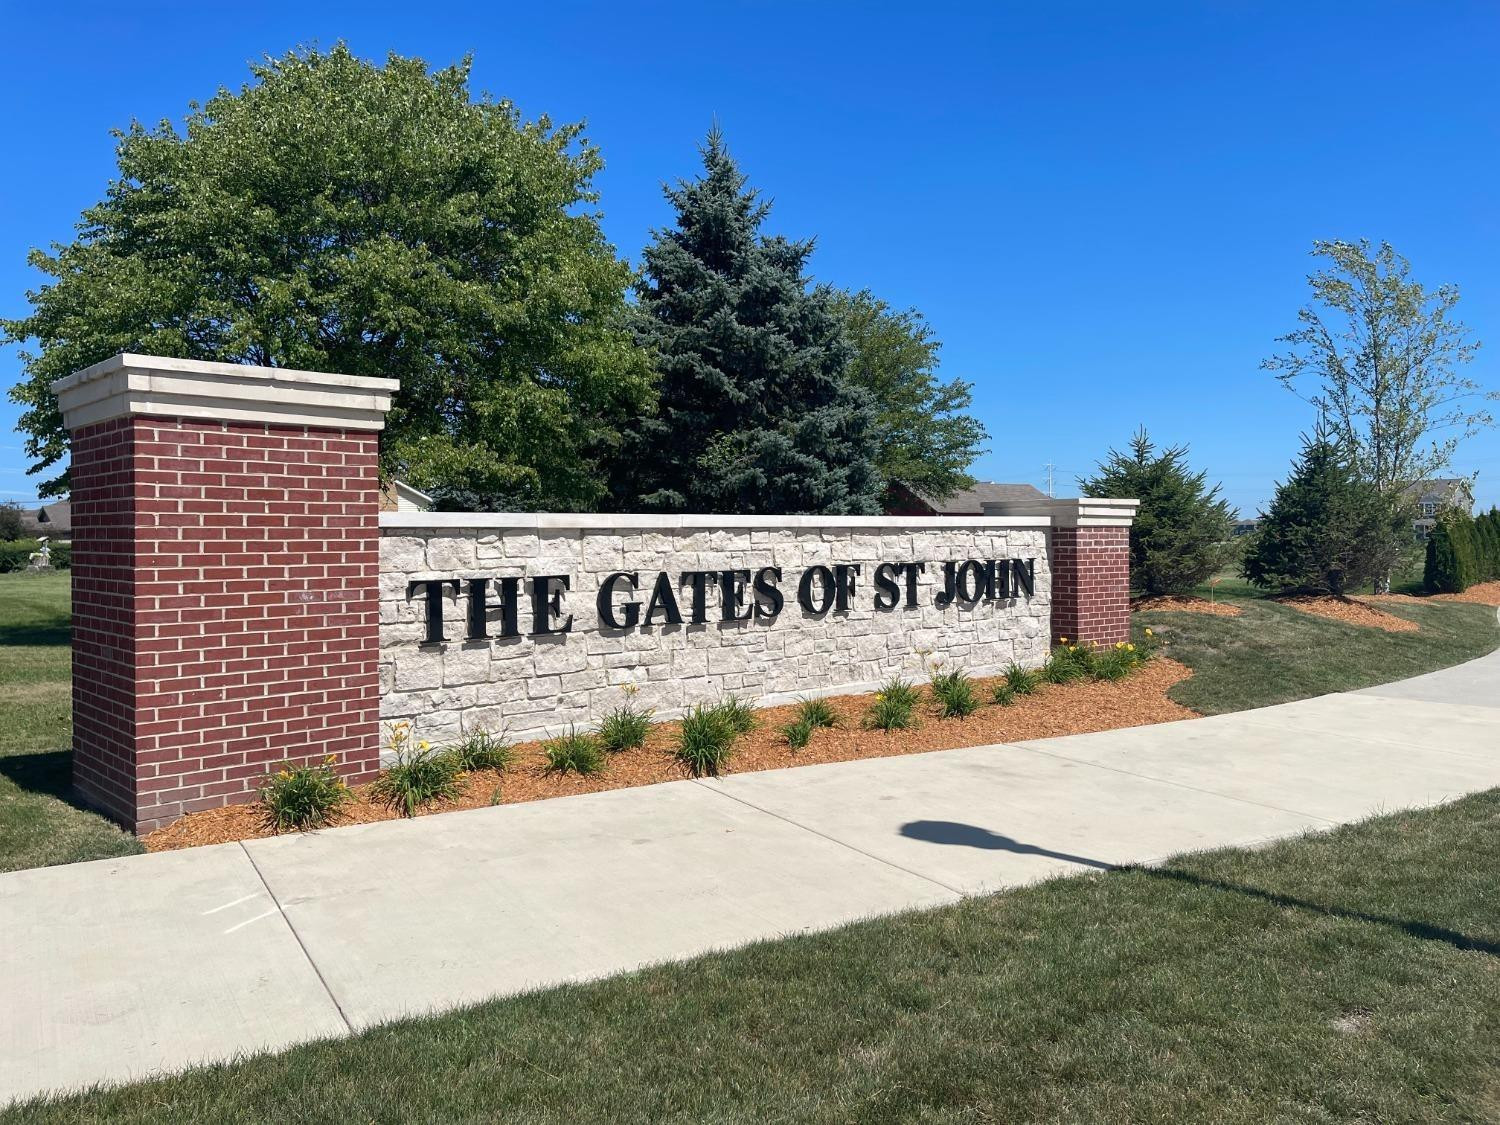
column 370, row 220
column 1181, row 531
column 927, row 438
column 755, row 413
column 1379, row 356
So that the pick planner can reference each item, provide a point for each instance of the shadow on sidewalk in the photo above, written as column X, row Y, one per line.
column 972, row 836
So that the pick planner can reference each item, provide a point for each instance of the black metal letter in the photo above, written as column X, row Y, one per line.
column 768, row 599
column 433, row 588
column 1023, row 576
column 663, row 598
column 607, row 602
column 844, row 575
column 887, row 589
column 912, row 570
column 698, row 581
column 804, row 589
column 546, row 603
column 732, row 595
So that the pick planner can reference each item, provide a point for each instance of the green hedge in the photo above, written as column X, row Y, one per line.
column 1462, row 550
column 62, row 556
column 15, row 554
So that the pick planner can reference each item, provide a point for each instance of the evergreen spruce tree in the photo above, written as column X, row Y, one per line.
column 1182, row 529
column 1327, row 531
column 754, row 414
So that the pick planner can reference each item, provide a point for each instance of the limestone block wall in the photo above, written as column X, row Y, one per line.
column 536, row 685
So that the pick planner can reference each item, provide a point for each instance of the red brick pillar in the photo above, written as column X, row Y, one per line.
column 1089, row 558
column 226, row 564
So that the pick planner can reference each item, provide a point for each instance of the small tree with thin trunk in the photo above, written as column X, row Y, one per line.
column 1379, row 356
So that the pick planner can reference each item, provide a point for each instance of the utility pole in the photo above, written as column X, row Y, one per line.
column 1051, row 483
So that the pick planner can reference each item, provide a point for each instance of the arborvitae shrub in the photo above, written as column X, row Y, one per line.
column 1452, row 563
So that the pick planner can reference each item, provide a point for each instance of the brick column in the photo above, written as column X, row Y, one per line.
column 1089, row 555
column 225, row 579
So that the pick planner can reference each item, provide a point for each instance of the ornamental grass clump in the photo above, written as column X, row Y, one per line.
column 739, row 715
column 798, row 733
column 481, row 750
column 1021, row 681
column 1003, row 694
column 955, row 694
column 1068, row 663
column 296, row 798
column 817, row 713
column 574, row 753
column 895, row 706
column 419, row 775
column 626, row 727
column 706, row 740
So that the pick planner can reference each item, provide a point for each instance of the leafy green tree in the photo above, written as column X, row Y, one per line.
column 1182, row 529
column 927, row 438
column 755, row 414
column 337, row 215
column 1451, row 566
column 1327, row 530
column 11, row 526
column 1379, row 356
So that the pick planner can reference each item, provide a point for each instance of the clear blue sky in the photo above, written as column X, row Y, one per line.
column 1103, row 209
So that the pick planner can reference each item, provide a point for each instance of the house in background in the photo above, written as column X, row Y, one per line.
column 903, row 501
column 398, row 496
column 54, row 520
column 1429, row 497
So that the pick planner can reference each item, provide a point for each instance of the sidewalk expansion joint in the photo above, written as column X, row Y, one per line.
column 327, row 991
column 704, row 783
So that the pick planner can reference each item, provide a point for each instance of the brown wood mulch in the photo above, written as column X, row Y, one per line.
column 1183, row 603
column 1052, row 710
column 1349, row 611
column 1482, row 593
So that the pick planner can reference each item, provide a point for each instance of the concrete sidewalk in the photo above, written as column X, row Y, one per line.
column 118, row 969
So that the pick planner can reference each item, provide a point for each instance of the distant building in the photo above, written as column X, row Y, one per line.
column 54, row 520
column 903, row 501
column 1429, row 497
column 1244, row 527
column 398, row 496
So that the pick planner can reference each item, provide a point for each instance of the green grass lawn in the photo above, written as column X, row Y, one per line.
column 1272, row 653
column 1351, row 976
column 37, row 824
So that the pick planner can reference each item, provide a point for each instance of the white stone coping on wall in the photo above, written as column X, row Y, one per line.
column 606, row 522
column 1072, row 512
column 154, row 386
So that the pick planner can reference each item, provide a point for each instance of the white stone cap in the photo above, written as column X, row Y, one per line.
column 584, row 521
column 1075, row 512
column 157, row 387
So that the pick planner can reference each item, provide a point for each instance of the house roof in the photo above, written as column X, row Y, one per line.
column 1444, row 488
column 971, row 501
column 50, row 519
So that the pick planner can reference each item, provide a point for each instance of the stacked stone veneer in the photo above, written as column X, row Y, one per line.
column 532, row 687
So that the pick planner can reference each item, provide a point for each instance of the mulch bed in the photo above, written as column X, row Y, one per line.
column 1483, row 593
column 1183, row 603
column 1052, row 710
column 1349, row 611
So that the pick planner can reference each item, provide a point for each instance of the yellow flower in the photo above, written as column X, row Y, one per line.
column 1130, row 648
column 424, row 745
column 1062, row 640
column 1149, row 633
column 283, row 774
column 1072, row 648
column 329, row 759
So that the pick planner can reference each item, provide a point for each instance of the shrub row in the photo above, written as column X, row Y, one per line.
column 1461, row 551
column 15, row 554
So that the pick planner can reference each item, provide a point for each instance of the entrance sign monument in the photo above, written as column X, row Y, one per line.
column 240, row 600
